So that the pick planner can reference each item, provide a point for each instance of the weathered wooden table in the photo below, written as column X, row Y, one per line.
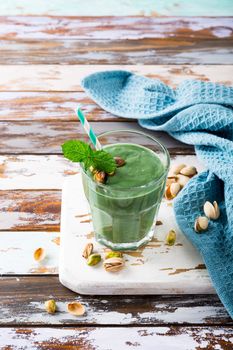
column 42, row 61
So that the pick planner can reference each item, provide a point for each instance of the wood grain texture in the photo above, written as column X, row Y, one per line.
column 119, row 8
column 41, row 138
column 30, row 210
column 68, row 77
column 134, row 40
column 22, row 302
column 119, row 338
column 47, row 106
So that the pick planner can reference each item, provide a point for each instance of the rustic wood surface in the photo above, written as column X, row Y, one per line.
column 133, row 40
column 43, row 59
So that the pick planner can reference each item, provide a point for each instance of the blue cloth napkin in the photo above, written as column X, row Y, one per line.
column 197, row 113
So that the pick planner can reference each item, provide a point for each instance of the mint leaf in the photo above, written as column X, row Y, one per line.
column 103, row 161
column 77, row 151
column 80, row 151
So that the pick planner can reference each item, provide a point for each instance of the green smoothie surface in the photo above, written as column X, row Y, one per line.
column 142, row 166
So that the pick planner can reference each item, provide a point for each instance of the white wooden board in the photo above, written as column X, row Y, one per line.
column 153, row 269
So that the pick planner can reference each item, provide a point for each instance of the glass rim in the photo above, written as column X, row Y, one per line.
column 164, row 149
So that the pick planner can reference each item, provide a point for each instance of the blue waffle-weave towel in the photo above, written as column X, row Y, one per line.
column 197, row 113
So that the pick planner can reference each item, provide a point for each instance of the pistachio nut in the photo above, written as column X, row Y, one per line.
column 114, row 264
column 211, row 210
column 188, row 171
column 172, row 190
column 50, row 306
column 119, row 161
column 171, row 237
column 93, row 259
column 113, row 254
column 182, row 180
column 87, row 250
column 111, row 174
column 201, row 224
column 39, row 254
column 75, row 308
column 100, row 176
column 175, row 169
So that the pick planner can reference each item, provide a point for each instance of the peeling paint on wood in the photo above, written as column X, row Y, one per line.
column 114, row 310
column 68, row 77
column 34, row 137
column 118, row 8
column 186, row 338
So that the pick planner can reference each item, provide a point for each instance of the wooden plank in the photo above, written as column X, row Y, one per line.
column 45, row 106
column 68, row 77
column 41, row 138
column 150, row 338
column 114, row 28
column 30, row 210
column 77, row 40
column 22, row 303
column 141, row 51
column 119, row 8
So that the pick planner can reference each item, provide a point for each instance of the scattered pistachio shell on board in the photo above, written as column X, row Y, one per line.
column 93, row 259
column 211, row 210
column 113, row 254
column 50, row 306
column 39, row 254
column 172, row 190
column 114, row 264
column 170, row 180
column 201, row 224
column 171, row 237
column 188, row 171
column 76, row 309
column 119, row 161
column 87, row 250
column 175, row 169
column 182, row 180
column 100, row 176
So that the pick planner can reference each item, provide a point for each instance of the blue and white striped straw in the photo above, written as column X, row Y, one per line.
column 87, row 127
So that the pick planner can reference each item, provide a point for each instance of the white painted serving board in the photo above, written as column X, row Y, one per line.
column 153, row 269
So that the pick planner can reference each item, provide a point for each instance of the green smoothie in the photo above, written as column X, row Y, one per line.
column 124, row 209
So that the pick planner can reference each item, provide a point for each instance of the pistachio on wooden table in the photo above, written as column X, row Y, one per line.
column 172, row 190
column 50, row 306
column 75, row 308
column 171, row 237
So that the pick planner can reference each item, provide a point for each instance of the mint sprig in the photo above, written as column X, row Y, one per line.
column 80, row 151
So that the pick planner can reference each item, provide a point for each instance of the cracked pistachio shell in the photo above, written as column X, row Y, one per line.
column 201, row 224
column 76, row 309
column 39, row 254
column 114, row 264
column 211, row 210
column 175, row 169
column 188, row 171
column 182, row 180
column 87, row 250
column 172, row 190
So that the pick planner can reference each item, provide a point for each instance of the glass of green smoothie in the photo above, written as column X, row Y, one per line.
column 124, row 209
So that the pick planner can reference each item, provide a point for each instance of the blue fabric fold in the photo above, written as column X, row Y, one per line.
column 197, row 113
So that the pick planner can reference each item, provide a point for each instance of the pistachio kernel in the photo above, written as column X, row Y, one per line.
column 87, row 250
column 50, row 306
column 93, row 259
column 100, row 176
column 119, row 161
column 211, row 210
column 111, row 174
column 201, row 224
column 112, row 254
column 171, row 237
column 114, row 264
